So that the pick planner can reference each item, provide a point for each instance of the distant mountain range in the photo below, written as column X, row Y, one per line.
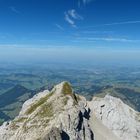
column 11, row 101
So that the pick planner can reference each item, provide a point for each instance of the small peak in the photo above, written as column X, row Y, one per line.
column 63, row 88
column 66, row 88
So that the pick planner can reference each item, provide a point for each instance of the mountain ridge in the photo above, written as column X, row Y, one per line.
column 62, row 115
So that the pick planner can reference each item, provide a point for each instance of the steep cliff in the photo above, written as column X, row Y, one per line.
column 118, row 117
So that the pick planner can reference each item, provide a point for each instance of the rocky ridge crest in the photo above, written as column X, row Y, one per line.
column 60, row 114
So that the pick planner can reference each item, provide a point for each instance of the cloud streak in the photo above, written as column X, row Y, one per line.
column 83, row 2
column 109, row 39
column 116, row 23
column 121, row 23
column 13, row 9
column 59, row 27
column 69, row 20
column 71, row 16
column 86, row 1
column 74, row 14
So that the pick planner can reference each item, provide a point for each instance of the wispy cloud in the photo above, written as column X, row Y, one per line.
column 83, row 2
column 59, row 27
column 74, row 14
column 121, row 23
column 69, row 20
column 90, row 32
column 116, row 23
column 108, row 39
column 71, row 16
column 13, row 9
column 86, row 1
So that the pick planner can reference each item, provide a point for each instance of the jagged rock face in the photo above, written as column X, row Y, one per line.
column 55, row 134
column 61, row 115
column 58, row 114
column 122, row 120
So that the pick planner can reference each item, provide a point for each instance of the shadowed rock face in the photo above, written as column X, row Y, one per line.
column 60, row 114
column 56, row 134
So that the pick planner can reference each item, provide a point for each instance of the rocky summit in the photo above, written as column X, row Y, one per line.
column 60, row 114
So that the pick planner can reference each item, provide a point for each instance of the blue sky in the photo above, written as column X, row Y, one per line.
column 93, row 29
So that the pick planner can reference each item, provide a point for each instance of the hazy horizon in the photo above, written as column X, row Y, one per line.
column 76, row 31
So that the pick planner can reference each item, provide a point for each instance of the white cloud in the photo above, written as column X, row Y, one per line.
column 83, row 2
column 74, row 14
column 71, row 16
column 114, row 23
column 126, row 22
column 59, row 26
column 69, row 20
column 13, row 9
column 86, row 1
column 109, row 39
column 95, row 32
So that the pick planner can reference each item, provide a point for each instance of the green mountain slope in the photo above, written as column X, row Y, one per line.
column 12, row 100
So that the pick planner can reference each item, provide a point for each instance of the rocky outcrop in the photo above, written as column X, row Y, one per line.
column 118, row 117
column 56, row 134
column 62, row 115
column 58, row 114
